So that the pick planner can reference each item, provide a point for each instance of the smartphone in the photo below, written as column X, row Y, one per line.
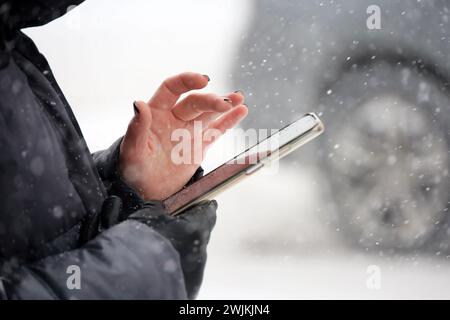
column 247, row 163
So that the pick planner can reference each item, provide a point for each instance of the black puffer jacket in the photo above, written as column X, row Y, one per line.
column 52, row 186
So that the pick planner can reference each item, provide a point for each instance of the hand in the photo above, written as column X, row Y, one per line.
column 146, row 162
column 188, row 233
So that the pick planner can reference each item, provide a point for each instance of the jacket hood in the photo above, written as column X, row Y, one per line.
column 18, row 14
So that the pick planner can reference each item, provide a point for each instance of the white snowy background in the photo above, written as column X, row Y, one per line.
column 271, row 240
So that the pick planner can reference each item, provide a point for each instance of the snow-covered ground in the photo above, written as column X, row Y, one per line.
column 270, row 242
column 272, row 238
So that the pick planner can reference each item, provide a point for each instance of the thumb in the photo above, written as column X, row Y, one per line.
column 139, row 126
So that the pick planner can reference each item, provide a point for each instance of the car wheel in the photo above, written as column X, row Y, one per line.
column 386, row 154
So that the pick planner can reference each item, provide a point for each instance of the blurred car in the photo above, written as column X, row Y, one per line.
column 383, row 96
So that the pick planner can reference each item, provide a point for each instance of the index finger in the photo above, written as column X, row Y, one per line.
column 172, row 88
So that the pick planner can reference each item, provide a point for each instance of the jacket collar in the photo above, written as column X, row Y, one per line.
column 18, row 14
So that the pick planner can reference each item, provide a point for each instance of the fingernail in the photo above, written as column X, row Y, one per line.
column 207, row 77
column 136, row 110
column 227, row 100
column 240, row 91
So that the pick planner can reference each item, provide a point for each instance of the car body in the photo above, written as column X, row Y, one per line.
column 383, row 95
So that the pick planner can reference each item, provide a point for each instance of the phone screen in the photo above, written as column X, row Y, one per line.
column 277, row 141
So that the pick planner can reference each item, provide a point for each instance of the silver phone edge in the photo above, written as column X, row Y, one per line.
column 301, row 140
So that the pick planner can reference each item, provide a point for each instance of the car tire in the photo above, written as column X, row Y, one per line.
column 386, row 154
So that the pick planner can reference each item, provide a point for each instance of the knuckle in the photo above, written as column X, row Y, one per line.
column 187, row 81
